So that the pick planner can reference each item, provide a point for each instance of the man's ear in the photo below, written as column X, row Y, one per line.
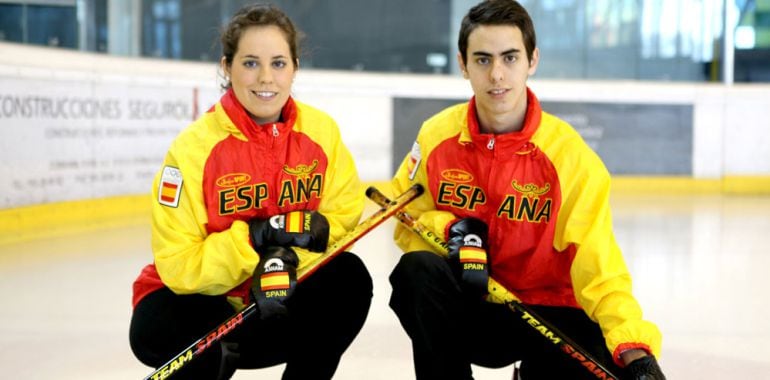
column 533, row 62
column 461, row 65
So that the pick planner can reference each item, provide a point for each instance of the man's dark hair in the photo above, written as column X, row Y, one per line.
column 497, row 12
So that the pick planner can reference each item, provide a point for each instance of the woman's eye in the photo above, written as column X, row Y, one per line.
column 279, row 64
column 250, row 64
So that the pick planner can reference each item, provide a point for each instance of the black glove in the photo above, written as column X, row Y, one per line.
column 274, row 280
column 304, row 229
column 645, row 368
column 467, row 242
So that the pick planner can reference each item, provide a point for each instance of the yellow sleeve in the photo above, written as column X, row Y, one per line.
column 600, row 278
column 188, row 259
column 412, row 171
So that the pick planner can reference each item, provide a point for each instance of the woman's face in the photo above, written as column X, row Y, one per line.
column 262, row 72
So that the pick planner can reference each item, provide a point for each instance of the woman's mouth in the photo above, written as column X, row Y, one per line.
column 265, row 95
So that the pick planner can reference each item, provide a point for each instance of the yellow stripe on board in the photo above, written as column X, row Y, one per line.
column 746, row 185
column 64, row 218
column 738, row 185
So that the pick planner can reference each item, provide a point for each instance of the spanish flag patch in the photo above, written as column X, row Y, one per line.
column 473, row 255
column 168, row 191
column 414, row 159
column 274, row 281
column 295, row 222
column 170, row 187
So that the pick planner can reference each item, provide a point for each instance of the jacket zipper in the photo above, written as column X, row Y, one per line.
column 491, row 147
column 275, row 136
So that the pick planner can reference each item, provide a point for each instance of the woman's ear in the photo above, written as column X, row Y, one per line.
column 225, row 68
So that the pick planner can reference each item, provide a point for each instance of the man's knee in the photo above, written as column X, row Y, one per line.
column 418, row 267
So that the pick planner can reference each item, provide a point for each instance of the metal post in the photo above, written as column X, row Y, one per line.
column 125, row 28
column 728, row 53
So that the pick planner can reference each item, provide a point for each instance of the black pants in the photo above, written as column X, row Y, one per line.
column 449, row 332
column 326, row 312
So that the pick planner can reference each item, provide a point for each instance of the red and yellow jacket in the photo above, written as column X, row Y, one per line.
column 222, row 171
column 545, row 196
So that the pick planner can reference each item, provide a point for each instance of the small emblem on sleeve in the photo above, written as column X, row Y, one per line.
column 414, row 160
column 170, row 189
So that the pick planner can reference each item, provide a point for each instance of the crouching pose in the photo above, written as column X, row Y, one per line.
column 518, row 196
column 249, row 193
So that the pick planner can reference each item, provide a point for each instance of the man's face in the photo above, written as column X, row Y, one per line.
column 497, row 67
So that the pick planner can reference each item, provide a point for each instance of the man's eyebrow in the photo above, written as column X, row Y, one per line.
column 485, row 54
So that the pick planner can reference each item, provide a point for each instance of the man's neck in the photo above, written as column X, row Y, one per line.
column 500, row 123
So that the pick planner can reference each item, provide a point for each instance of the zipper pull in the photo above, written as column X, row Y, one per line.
column 491, row 143
column 275, row 131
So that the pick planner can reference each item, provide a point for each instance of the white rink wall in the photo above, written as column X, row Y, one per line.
column 78, row 125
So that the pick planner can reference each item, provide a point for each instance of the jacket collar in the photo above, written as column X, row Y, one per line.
column 512, row 140
column 243, row 122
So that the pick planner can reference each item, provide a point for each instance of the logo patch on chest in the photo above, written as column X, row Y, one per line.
column 233, row 180
column 530, row 189
column 457, row 176
column 301, row 170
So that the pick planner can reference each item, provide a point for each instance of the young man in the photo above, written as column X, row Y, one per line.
column 522, row 190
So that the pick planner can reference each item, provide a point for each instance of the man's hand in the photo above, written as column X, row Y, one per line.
column 641, row 366
column 467, row 242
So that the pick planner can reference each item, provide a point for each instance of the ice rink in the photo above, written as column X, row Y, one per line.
column 699, row 262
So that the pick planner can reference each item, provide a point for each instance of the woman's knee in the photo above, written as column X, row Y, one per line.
column 356, row 267
column 163, row 323
column 351, row 273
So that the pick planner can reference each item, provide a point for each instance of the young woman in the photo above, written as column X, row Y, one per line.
column 257, row 186
column 518, row 193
